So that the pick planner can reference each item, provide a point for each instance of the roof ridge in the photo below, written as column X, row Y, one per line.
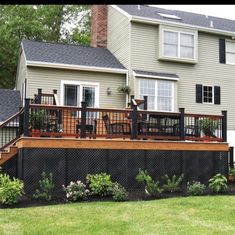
column 60, row 43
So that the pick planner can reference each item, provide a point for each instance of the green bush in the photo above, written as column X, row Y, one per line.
column 99, row 184
column 232, row 171
column 172, row 184
column 195, row 188
column 152, row 188
column 46, row 187
column 218, row 183
column 10, row 189
column 76, row 191
column 119, row 192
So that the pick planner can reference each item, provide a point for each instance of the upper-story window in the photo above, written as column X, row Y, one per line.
column 178, row 45
column 230, row 52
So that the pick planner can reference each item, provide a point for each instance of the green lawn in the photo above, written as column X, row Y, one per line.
column 190, row 215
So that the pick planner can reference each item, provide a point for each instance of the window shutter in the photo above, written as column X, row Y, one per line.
column 222, row 58
column 216, row 94
column 198, row 93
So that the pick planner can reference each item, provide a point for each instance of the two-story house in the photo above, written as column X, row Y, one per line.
column 175, row 58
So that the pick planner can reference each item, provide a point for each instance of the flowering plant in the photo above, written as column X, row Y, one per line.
column 76, row 191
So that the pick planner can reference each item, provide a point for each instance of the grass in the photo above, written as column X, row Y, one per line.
column 185, row 215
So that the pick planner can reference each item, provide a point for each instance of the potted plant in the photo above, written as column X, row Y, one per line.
column 125, row 89
column 37, row 120
column 231, row 175
column 208, row 126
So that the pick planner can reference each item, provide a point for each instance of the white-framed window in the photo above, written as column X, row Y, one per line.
column 74, row 92
column 230, row 52
column 178, row 45
column 208, row 94
column 160, row 94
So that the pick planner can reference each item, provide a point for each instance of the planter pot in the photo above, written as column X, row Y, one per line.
column 36, row 132
column 231, row 178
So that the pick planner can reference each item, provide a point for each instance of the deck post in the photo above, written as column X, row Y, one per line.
column 39, row 98
column 134, row 129
column 26, row 117
column 83, row 120
column 182, row 134
column 231, row 159
column 21, row 123
column 224, row 126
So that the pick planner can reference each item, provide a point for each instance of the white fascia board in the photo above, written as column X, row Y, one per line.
column 199, row 28
column 121, row 11
column 75, row 67
column 153, row 76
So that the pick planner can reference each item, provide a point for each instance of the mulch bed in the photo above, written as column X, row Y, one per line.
column 29, row 201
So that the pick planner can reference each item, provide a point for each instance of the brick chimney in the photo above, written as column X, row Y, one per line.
column 99, row 25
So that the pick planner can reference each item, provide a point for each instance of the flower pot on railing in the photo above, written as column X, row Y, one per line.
column 37, row 120
column 208, row 126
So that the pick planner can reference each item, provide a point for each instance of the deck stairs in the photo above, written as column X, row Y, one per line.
column 8, row 153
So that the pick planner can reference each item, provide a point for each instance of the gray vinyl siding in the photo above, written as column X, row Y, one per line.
column 49, row 78
column 21, row 73
column 118, row 35
column 208, row 70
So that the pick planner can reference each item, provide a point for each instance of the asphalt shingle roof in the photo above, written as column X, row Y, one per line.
column 186, row 17
column 9, row 103
column 170, row 75
column 70, row 54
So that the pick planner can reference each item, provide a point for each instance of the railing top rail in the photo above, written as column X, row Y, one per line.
column 11, row 118
column 159, row 113
column 203, row 115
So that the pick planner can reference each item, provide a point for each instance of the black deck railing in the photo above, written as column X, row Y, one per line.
column 11, row 129
column 67, row 121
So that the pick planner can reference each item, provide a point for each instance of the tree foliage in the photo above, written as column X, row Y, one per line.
column 51, row 23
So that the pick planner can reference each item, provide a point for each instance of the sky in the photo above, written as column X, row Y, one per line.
column 223, row 11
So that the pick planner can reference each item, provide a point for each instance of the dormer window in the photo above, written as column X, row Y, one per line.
column 178, row 45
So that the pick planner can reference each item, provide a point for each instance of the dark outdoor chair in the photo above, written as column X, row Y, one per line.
column 116, row 128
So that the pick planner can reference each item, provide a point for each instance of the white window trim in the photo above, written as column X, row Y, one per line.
column 213, row 95
column 231, row 41
column 80, row 83
column 156, row 96
column 178, row 58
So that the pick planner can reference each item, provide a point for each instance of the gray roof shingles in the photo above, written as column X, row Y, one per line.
column 150, row 73
column 9, row 103
column 70, row 54
column 186, row 17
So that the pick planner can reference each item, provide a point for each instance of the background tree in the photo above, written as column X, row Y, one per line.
column 51, row 23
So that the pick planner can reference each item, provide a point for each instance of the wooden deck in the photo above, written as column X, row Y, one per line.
column 72, row 143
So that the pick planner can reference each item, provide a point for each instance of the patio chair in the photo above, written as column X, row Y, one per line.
column 116, row 128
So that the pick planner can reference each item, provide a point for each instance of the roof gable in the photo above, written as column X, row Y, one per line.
column 58, row 53
column 189, row 18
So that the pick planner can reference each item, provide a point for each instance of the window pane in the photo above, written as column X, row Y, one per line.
column 147, row 88
column 70, row 95
column 89, row 96
column 186, row 52
column 170, row 37
column 165, row 96
column 230, row 47
column 230, row 58
column 207, row 94
column 186, row 39
column 170, row 50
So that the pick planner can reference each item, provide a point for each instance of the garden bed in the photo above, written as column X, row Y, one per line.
column 29, row 201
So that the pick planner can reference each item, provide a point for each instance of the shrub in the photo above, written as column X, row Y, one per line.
column 46, row 187
column 10, row 189
column 218, row 183
column 172, row 184
column 99, row 184
column 76, row 191
column 195, row 188
column 119, row 192
column 232, row 171
column 151, row 187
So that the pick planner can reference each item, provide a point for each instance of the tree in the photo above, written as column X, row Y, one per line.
column 41, row 23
